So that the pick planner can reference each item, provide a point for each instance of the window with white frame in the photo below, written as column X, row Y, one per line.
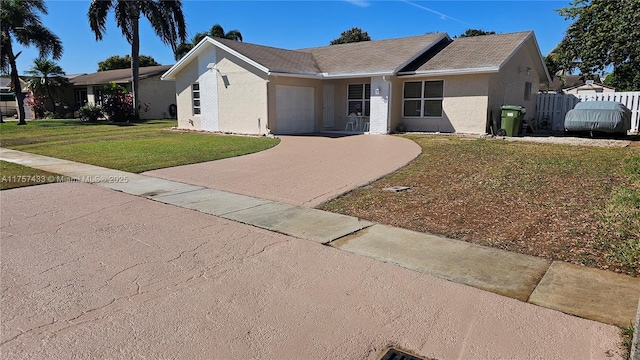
column 358, row 99
column 195, row 97
column 423, row 99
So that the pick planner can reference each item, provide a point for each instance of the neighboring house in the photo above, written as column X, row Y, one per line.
column 590, row 87
column 561, row 83
column 426, row 83
column 5, row 83
column 159, row 95
column 8, row 103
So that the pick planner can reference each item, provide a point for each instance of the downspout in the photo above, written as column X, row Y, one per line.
column 384, row 77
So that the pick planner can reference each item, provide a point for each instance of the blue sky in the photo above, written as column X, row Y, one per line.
column 299, row 24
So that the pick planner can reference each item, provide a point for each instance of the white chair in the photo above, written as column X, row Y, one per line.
column 353, row 121
column 365, row 126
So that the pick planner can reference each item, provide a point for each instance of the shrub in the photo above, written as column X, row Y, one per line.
column 90, row 113
column 37, row 106
column 117, row 103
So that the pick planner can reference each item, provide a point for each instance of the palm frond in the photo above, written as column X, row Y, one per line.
column 233, row 35
column 43, row 39
column 216, row 31
column 167, row 20
column 126, row 13
column 97, row 14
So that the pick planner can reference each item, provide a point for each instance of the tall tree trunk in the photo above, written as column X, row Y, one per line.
column 15, row 79
column 135, row 62
column 53, row 102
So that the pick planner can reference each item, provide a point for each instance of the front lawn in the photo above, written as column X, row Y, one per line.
column 135, row 147
column 569, row 203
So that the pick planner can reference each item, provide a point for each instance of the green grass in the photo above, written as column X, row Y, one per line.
column 134, row 148
column 15, row 175
column 627, row 339
column 621, row 216
column 570, row 203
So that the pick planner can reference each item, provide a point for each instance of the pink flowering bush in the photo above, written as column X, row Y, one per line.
column 117, row 103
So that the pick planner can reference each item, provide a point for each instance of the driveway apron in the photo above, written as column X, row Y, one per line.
column 301, row 170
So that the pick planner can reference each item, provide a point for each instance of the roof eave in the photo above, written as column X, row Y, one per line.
column 171, row 73
column 544, row 66
column 482, row 70
column 359, row 75
column 331, row 76
column 296, row 75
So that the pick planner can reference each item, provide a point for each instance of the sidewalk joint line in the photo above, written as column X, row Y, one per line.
column 539, row 281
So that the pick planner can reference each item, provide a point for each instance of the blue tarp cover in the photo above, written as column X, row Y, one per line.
column 605, row 116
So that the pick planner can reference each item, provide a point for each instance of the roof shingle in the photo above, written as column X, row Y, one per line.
column 424, row 53
column 119, row 76
column 370, row 56
column 485, row 51
column 274, row 59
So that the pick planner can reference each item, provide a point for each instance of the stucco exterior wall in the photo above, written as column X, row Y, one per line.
column 159, row 95
column 464, row 108
column 589, row 89
column 184, row 78
column 291, row 81
column 242, row 95
column 508, row 86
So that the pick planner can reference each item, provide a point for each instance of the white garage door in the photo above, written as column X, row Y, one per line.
column 294, row 109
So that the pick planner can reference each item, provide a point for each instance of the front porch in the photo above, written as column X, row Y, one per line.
column 355, row 105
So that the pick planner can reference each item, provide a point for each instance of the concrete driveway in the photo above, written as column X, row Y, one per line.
column 301, row 170
column 88, row 272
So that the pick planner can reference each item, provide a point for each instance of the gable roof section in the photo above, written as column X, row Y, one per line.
column 371, row 57
column 119, row 76
column 363, row 58
column 570, row 81
column 424, row 54
column 4, row 81
column 274, row 59
column 593, row 86
column 471, row 54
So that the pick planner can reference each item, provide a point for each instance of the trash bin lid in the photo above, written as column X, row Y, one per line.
column 511, row 107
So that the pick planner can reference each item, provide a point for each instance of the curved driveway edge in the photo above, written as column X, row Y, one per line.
column 301, row 170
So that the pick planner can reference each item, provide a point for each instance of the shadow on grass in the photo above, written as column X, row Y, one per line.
column 78, row 122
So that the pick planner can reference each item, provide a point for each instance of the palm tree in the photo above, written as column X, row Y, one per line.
column 19, row 20
column 215, row 31
column 166, row 19
column 45, row 75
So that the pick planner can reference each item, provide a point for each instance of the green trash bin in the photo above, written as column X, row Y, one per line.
column 511, row 119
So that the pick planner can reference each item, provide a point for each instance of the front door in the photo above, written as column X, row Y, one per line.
column 327, row 106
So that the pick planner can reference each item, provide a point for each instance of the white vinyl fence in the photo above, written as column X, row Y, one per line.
column 551, row 108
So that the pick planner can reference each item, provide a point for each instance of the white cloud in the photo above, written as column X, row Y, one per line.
column 442, row 16
column 360, row 3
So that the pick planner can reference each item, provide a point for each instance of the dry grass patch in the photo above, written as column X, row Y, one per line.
column 568, row 203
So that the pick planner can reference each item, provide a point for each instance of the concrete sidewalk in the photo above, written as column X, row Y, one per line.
column 588, row 293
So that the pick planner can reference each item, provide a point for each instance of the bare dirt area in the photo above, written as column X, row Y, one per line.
column 574, row 203
column 576, row 140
